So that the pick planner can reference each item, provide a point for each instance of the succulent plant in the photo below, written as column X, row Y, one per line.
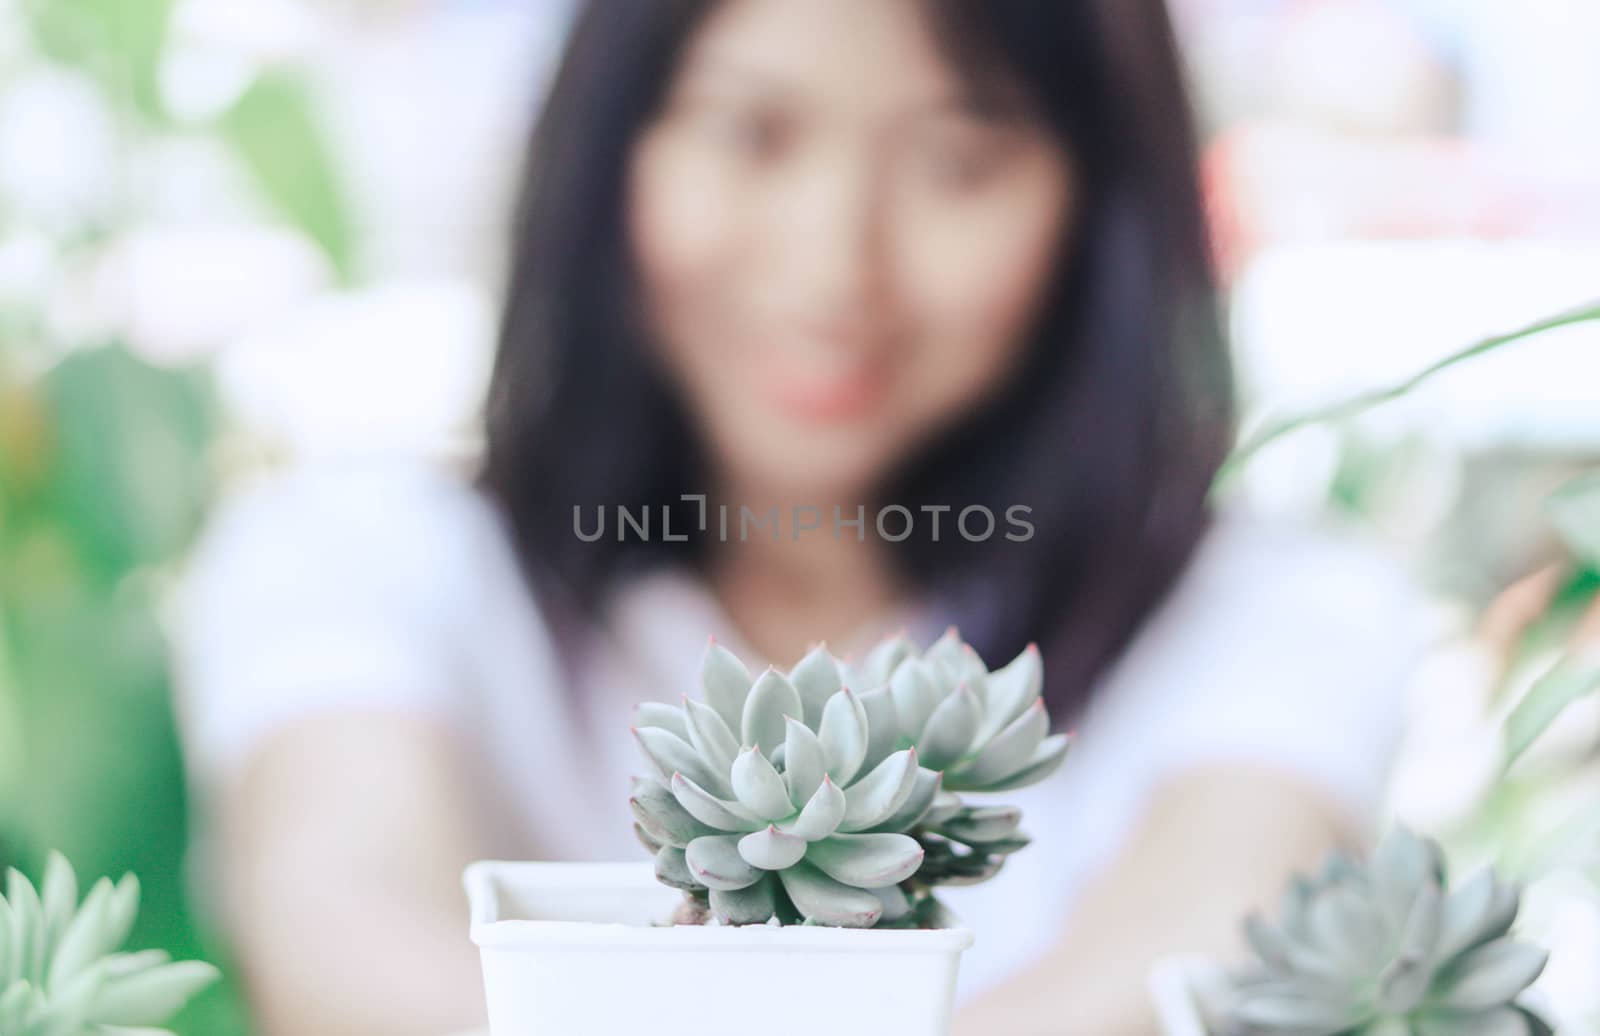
column 1385, row 949
column 60, row 970
column 985, row 731
column 791, row 796
column 781, row 818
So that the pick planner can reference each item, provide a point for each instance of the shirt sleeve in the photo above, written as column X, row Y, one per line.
column 316, row 591
column 1285, row 648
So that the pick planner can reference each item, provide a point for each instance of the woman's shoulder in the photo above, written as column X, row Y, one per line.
column 407, row 528
column 337, row 586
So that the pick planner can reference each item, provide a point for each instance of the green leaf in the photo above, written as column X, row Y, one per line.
column 1575, row 511
column 119, row 42
column 771, row 699
column 753, row 905
column 1359, row 404
column 759, row 787
column 274, row 131
column 1571, row 680
column 152, row 996
column 126, row 484
column 822, row 900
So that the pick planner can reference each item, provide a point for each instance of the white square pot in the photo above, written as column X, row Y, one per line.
column 584, row 950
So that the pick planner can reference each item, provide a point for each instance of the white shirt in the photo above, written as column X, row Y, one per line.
column 396, row 588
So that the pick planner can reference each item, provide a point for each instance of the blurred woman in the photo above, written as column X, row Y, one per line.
column 866, row 272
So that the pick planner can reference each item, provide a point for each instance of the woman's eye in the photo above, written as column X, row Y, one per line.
column 753, row 136
column 964, row 166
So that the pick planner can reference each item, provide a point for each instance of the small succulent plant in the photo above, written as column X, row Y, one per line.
column 791, row 796
column 61, row 972
column 1385, row 949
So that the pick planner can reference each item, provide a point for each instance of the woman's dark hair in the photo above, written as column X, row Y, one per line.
column 1111, row 431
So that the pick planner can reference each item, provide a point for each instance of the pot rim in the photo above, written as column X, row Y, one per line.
column 488, row 931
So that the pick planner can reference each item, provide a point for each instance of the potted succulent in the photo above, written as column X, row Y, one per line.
column 800, row 825
column 61, row 969
column 1382, row 948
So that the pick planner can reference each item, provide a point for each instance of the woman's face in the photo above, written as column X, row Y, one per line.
column 840, row 252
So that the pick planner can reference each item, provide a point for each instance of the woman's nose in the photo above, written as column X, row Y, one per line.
column 833, row 243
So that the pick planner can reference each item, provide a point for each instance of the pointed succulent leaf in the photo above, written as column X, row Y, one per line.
column 817, row 679
column 6, row 976
column 667, row 754
column 714, row 861
column 945, row 805
column 1012, row 691
column 896, row 904
column 821, row 815
column 883, row 659
column 844, row 736
column 121, row 964
column 151, row 997
column 759, row 787
column 1268, row 944
column 804, row 760
column 58, row 897
column 823, row 900
column 1331, row 935
column 1502, row 1021
column 755, row 904
column 916, row 805
column 710, row 736
column 1404, row 981
column 28, row 930
column 85, row 940
column 1293, row 1012
column 662, row 816
column 976, row 677
column 916, row 694
column 951, row 650
column 982, row 824
column 1011, row 749
column 123, row 909
column 651, row 843
column 68, row 1003
column 1401, row 865
column 1467, row 911
column 659, row 714
column 950, row 729
column 672, row 869
column 14, row 1001
column 1492, row 975
column 771, row 849
column 867, row 861
column 876, row 797
column 1046, row 760
column 771, row 699
column 725, row 683
column 1421, row 932
column 883, row 726
column 710, row 810
column 1346, row 926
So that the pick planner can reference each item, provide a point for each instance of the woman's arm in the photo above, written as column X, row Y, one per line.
column 342, row 848
column 1213, row 846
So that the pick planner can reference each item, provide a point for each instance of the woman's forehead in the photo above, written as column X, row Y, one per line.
column 877, row 54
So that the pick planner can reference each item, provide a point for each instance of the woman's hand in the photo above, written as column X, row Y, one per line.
column 342, row 850
column 1214, row 845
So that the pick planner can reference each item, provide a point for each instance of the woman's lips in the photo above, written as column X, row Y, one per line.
column 850, row 391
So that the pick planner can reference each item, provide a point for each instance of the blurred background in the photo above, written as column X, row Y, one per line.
column 236, row 234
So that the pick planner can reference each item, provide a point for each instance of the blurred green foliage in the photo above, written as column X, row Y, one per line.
column 104, row 480
column 101, row 487
column 272, row 128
